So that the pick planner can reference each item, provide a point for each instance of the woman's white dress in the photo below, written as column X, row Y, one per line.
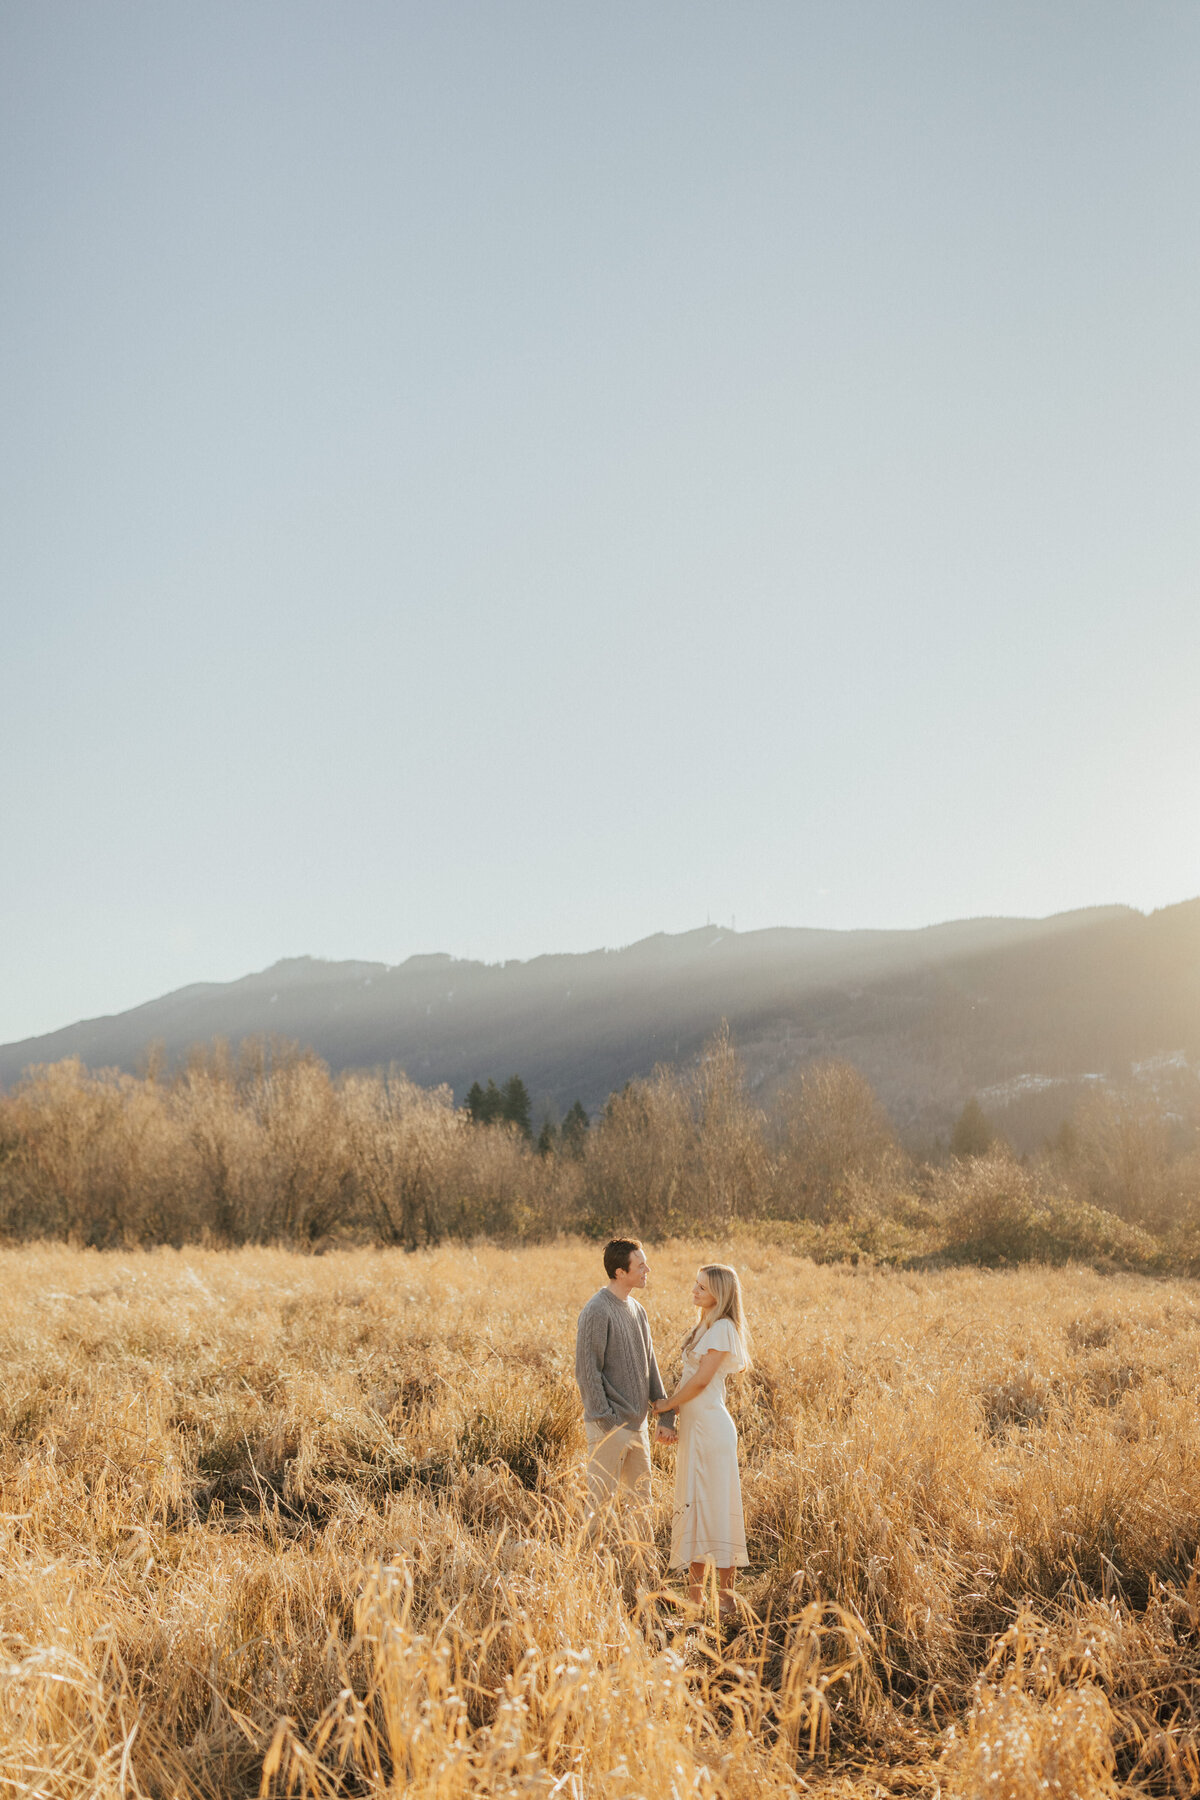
column 707, row 1520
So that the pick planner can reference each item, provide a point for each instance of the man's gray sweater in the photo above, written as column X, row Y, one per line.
column 614, row 1363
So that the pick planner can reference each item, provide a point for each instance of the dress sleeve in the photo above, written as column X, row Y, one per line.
column 723, row 1336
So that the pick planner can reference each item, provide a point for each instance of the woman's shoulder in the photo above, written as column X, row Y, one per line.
column 720, row 1336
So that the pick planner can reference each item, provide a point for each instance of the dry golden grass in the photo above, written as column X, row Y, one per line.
column 275, row 1523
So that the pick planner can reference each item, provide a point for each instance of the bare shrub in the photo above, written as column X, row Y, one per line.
column 90, row 1157
column 678, row 1152
column 836, row 1151
column 995, row 1210
column 400, row 1137
column 302, row 1178
column 641, row 1164
column 1123, row 1158
column 495, row 1183
column 221, row 1137
column 733, row 1166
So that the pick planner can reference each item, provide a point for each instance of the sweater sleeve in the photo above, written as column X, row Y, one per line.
column 657, row 1390
column 590, row 1339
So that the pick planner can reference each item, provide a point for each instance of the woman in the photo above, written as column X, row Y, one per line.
column 707, row 1524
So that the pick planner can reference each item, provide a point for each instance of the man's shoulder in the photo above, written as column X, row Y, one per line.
column 598, row 1303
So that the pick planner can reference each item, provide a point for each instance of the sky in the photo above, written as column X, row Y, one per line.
column 506, row 479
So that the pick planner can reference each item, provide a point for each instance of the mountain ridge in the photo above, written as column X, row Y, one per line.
column 928, row 1014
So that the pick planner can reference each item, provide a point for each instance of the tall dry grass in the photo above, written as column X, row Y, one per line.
column 276, row 1523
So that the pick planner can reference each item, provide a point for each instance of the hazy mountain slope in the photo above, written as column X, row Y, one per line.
column 929, row 1015
column 1098, row 998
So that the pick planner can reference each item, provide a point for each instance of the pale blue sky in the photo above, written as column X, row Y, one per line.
column 513, row 478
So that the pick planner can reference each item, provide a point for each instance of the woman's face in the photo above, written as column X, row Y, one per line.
column 703, row 1295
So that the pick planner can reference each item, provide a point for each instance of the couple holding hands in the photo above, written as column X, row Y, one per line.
column 618, row 1378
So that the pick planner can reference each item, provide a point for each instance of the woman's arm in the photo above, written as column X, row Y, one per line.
column 695, row 1384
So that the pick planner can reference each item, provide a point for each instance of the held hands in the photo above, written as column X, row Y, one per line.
column 662, row 1406
column 664, row 1434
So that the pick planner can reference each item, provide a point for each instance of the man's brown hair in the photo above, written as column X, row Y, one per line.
column 617, row 1253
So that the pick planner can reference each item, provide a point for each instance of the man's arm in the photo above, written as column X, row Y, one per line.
column 590, row 1341
column 657, row 1390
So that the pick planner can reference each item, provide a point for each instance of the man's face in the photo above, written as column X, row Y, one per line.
column 639, row 1270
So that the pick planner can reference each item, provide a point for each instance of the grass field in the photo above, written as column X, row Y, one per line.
column 277, row 1523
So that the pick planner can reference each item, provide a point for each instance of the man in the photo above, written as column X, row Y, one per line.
column 619, row 1380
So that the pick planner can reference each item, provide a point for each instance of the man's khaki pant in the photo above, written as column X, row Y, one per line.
column 618, row 1469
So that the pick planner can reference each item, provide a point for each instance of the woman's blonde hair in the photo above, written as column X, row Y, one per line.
column 724, row 1283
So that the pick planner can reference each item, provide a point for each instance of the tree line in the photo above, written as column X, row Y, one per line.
column 264, row 1145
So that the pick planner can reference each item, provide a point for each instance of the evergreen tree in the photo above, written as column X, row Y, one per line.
column 973, row 1134
column 516, row 1106
column 575, row 1128
column 547, row 1139
column 509, row 1105
column 485, row 1105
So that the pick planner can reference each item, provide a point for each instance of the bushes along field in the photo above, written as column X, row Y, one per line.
column 265, row 1147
